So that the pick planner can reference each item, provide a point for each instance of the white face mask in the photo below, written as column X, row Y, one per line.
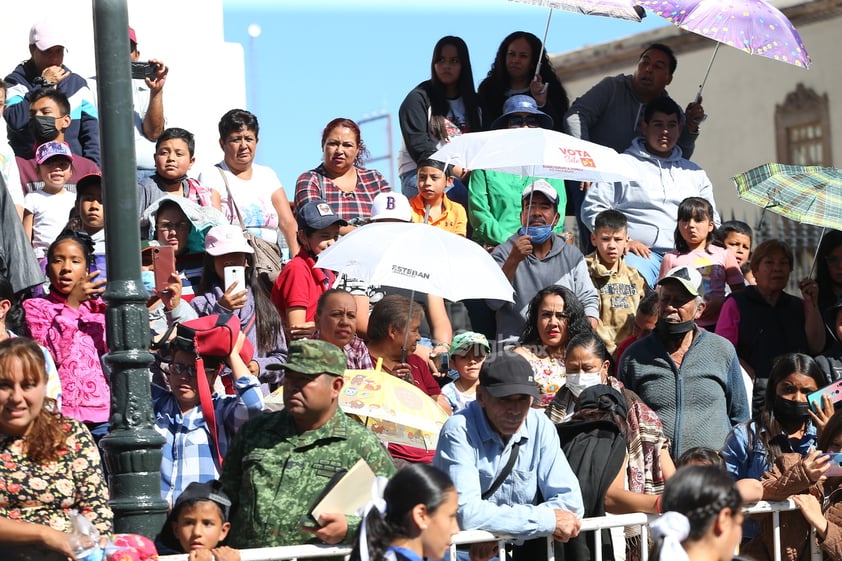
column 578, row 381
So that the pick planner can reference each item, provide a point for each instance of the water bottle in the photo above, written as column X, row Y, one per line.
column 84, row 538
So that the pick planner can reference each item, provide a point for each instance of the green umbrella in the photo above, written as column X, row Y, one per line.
column 805, row 194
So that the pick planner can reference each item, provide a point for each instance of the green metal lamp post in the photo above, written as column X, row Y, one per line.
column 133, row 447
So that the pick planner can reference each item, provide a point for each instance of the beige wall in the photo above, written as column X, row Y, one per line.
column 739, row 97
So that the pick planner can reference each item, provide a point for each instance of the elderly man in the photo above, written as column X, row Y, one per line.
column 506, row 462
column 44, row 69
column 534, row 258
column 690, row 377
column 663, row 178
column 280, row 462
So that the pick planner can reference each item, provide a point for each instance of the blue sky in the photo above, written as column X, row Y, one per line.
column 319, row 59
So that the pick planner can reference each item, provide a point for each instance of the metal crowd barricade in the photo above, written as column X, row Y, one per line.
column 295, row 552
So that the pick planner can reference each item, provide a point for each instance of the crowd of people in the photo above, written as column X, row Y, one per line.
column 672, row 342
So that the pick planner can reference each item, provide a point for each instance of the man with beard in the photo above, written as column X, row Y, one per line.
column 690, row 377
column 534, row 258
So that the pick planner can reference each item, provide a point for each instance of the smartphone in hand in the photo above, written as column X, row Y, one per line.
column 834, row 391
column 835, row 469
column 163, row 261
column 235, row 273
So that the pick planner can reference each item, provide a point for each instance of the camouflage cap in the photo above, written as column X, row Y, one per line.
column 314, row 357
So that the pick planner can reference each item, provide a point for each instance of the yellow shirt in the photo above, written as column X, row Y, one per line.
column 453, row 217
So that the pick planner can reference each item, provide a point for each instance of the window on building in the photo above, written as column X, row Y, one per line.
column 802, row 124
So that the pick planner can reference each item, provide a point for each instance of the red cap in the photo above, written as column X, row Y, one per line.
column 132, row 36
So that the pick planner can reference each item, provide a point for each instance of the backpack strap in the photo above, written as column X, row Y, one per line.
column 507, row 469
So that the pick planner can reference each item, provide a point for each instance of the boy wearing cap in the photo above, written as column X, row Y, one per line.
column 431, row 205
column 191, row 452
column 280, row 462
column 534, row 258
column 467, row 354
column 477, row 443
column 297, row 289
column 689, row 376
column 47, row 42
column 199, row 521
column 46, row 212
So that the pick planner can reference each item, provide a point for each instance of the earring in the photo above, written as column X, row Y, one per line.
column 424, row 527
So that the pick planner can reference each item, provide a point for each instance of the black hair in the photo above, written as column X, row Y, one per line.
column 16, row 316
column 700, row 493
column 692, row 208
column 577, row 321
column 439, row 165
column 492, row 90
column 320, row 304
column 648, row 305
column 667, row 50
column 729, row 227
column 268, row 325
column 236, row 120
column 701, row 456
column 827, row 295
column 416, row 484
column 57, row 96
column 439, row 105
column 611, row 219
column 83, row 239
column 662, row 104
column 765, row 426
column 176, row 132
column 590, row 341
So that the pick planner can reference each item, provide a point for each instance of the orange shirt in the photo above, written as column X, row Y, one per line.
column 453, row 217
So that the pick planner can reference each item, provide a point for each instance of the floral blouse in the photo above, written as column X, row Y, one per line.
column 45, row 494
column 549, row 375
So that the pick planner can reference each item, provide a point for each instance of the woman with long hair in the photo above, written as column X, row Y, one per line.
column 415, row 519
column 438, row 109
column 51, row 465
column 555, row 316
column 702, row 518
column 513, row 73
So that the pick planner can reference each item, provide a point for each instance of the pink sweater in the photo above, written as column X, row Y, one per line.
column 76, row 339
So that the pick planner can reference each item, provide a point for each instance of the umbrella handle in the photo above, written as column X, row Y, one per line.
column 707, row 72
column 544, row 42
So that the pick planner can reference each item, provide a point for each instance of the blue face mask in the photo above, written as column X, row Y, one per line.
column 148, row 279
column 539, row 234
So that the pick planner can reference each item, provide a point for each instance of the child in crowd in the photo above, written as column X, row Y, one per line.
column 620, row 286
column 297, row 289
column 431, row 205
column 90, row 217
column 736, row 236
column 693, row 247
column 46, row 211
column 751, row 490
column 225, row 246
column 192, row 452
column 645, row 319
column 70, row 322
column 468, row 351
column 198, row 523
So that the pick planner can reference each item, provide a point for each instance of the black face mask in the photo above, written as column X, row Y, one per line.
column 43, row 128
column 787, row 410
column 674, row 330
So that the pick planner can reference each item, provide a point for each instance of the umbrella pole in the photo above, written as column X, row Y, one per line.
column 816, row 256
column 408, row 322
column 544, row 41
column 707, row 73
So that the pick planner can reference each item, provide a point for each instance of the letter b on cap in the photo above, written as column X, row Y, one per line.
column 390, row 203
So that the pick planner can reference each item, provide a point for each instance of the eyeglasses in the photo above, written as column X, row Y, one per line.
column 178, row 369
column 518, row 121
column 172, row 226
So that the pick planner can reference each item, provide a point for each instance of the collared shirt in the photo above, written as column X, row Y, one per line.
column 745, row 454
column 187, row 454
column 300, row 284
column 453, row 217
column 355, row 205
column 473, row 453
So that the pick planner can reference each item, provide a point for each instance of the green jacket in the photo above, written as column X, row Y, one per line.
column 273, row 475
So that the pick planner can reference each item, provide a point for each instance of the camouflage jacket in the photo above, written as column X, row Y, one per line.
column 273, row 475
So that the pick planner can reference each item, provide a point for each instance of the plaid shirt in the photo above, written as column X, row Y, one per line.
column 356, row 205
column 187, row 454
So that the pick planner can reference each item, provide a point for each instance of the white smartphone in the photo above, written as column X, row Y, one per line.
column 235, row 273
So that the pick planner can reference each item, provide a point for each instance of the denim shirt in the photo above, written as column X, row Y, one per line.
column 473, row 453
column 743, row 462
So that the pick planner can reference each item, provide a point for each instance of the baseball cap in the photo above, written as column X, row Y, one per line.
column 132, row 36
column 225, row 239
column 90, row 179
column 209, row 491
column 508, row 374
column 313, row 357
column 318, row 215
column 391, row 206
column 689, row 278
column 464, row 341
column 541, row 186
column 52, row 149
column 521, row 104
column 47, row 34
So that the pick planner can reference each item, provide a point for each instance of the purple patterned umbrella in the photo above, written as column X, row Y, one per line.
column 753, row 26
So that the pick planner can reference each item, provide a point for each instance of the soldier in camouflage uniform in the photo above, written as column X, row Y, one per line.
column 280, row 462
